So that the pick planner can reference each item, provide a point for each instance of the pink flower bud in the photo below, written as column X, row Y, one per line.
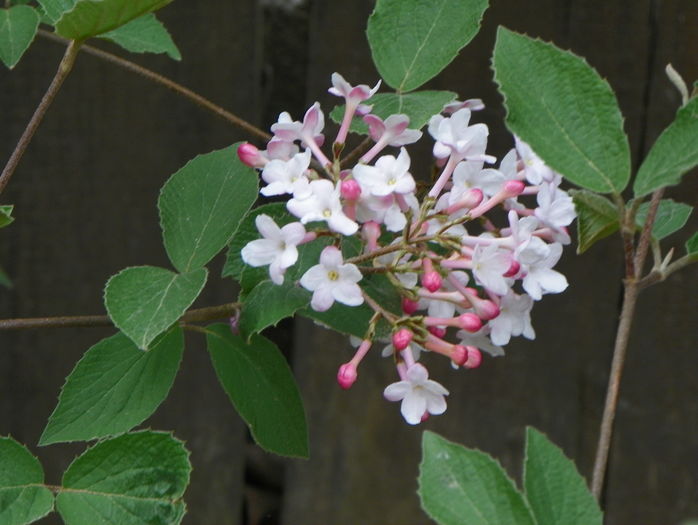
column 350, row 189
column 469, row 322
column 370, row 232
column 250, row 155
column 409, row 306
column 459, row 355
column 431, row 281
column 437, row 331
column 487, row 310
column 402, row 338
column 514, row 187
column 474, row 358
column 346, row 376
column 513, row 269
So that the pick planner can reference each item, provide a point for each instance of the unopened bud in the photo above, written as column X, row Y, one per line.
column 350, row 189
column 402, row 338
column 513, row 269
column 249, row 155
column 409, row 306
column 459, row 355
column 346, row 376
column 514, row 187
column 469, row 322
column 437, row 331
column 474, row 357
column 431, row 280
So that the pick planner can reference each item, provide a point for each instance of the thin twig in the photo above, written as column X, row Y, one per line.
column 64, row 68
column 356, row 152
column 209, row 313
column 646, row 235
column 170, row 84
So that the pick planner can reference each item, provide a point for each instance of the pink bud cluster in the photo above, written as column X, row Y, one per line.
column 467, row 283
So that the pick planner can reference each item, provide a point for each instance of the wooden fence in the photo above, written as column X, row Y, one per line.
column 85, row 204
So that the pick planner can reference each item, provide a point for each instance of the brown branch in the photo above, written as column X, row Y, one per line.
column 169, row 84
column 209, row 313
column 646, row 235
column 64, row 69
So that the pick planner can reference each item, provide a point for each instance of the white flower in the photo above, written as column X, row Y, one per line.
column 555, row 210
column 277, row 249
column 418, row 393
column 469, row 175
column 514, row 319
column 535, row 170
column 322, row 203
column 489, row 266
column 388, row 176
column 285, row 176
column 540, row 277
column 454, row 137
column 480, row 340
column 332, row 280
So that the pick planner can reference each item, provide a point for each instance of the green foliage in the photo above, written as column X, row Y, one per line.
column 671, row 216
column 564, row 110
column 692, row 244
column 597, row 217
column 458, row 485
column 5, row 279
column 202, row 204
column 419, row 106
column 130, row 480
column 18, row 27
column 144, row 301
column 145, row 34
column 674, row 153
column 6, row 215
column 555, row 491
column 94, row 17
column 114, row 387
column 53, row 9
column 23, row 499
column 260, row 384
column 412, row 40
column 268, row 303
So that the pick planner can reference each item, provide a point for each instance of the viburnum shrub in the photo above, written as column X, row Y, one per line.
column 415, row 265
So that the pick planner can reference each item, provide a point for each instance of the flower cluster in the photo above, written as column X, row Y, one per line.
column 466, row 283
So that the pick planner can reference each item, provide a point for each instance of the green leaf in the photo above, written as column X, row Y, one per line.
column 5, row 279
column 597, row 217
column 268, row 303
column 53, row 9
column 23, row 499
column 459, row 485
column 419, row 106
column 556, row 492
column 260, row 384
column 674, row 153
column 95, row 17
column 113, row 388
column 692, row 244
column 130, row 480
column 144, row 301
column 564, row 110
column 201, row 206
column 6, row 215
column 145, row 34
column 350, row 320
column 412, row 40
column 18, row 27
column 671, row 216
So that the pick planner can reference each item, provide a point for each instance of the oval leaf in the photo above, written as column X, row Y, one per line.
column 18, row 27
column 144, row 301
column 201, row 206
column 94, row 17
column 412, row 40
column 260, row 384
column 145, row 34
column 130, row 480
column 674, row 153
column 556, row 492
column 459, row 485
column 113, row 388
column 420, row 106
column 597, row 217
column 671, row 216
column 564, row 110
column 269, row 303
column 53, row 9
column 23, row 499
column 6, row 215
column 692, row 245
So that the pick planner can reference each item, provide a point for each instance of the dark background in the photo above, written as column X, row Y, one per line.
column 85, row 197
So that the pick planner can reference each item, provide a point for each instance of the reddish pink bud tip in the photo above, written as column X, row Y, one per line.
column 346, row 376
column 249, row 155
column 513, row 269
column 469, row 322
column 514, row 187
column 431, row 280
column 425, row 416
column 402, row 338
column 350, row 189
column 459, row 355
column 437, row 331
column 409, row 306
column 474, row 358
column 488, row 310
